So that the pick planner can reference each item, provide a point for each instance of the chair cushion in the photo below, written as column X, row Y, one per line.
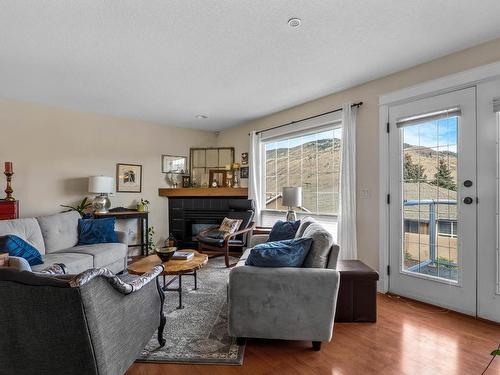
column 103, row 254
column 304, row 223
column 320, row 248
column 96, row 231
column 215, row 233
column 287, row 253
column 218, row 242
column 283, row 230
column 27, row 229
column 59, row 231
column 75, row 263
column 17, row 247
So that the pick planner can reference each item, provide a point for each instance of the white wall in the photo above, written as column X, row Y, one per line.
column 54, row 151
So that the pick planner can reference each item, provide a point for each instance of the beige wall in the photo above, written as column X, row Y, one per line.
column 368, row 136
column 54, row 151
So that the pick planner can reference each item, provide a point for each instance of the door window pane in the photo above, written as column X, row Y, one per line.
column 429, row 186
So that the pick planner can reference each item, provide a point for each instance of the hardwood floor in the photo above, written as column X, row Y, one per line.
column 409, row 338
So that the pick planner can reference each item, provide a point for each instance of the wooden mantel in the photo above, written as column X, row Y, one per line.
column 203, row 192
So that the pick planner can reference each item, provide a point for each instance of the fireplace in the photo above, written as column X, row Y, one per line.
column 189, row 215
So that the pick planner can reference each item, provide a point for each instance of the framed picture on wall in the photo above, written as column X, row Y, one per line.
column 173, row 164
column 128, row 178
column 244, row 172
column 244, row 158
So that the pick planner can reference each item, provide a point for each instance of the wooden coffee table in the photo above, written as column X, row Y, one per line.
column 173, row 267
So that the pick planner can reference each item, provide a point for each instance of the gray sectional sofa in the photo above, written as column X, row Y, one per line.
column 287, row 303
column 56, row 237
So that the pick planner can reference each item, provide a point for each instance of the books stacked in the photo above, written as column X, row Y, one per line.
column 183, row 255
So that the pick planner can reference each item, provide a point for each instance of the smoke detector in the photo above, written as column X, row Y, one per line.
column 294, row 22
column 201, row 117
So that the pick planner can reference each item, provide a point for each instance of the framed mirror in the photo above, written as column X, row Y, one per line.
column 202, row 160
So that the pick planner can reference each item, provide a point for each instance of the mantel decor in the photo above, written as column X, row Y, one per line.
column 9, row 172
column 202, row 160
column 173, row 164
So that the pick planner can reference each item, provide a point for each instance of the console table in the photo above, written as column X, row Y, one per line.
column 143, row 218
column 357, row 299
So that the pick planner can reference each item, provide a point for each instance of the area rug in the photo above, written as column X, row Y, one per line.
column 197, row 333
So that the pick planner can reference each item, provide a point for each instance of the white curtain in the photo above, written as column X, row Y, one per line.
column 255, row 174
column 346, row 229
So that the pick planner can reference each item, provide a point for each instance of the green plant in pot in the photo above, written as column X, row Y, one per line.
column 143, row 205
column 151, row 240
column 81, row 207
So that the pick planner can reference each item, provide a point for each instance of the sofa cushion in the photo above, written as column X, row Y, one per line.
column 304, row 223
column 75, row 263
column 283, row 230
column 96, row 231
column 320, row 248
column 287, row 253
column 27, row 229
column 17, row 247
column 103, row 254
column 59, row 231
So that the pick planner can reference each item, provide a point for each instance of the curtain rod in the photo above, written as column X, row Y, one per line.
column 355, row 105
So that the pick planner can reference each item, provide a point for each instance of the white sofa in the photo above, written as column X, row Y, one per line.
column 56, row 237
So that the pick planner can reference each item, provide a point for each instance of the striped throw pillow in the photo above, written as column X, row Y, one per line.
column 230, row 225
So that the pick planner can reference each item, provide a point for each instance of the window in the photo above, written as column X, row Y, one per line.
column 309, row 160
column 447, row 228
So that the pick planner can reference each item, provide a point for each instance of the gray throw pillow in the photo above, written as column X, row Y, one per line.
column 320, row 248
column 304, row 223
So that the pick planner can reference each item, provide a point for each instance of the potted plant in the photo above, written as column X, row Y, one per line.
column 81, row 208
column 143, row 205
column 151, row 241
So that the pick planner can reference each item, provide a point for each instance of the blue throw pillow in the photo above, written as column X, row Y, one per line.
column 94, row 231
column 287, row 253
column 283, row 230
column 17, row 247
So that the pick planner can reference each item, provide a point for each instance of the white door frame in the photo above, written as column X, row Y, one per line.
column 467, row 78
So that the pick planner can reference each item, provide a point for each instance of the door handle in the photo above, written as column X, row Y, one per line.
column 467, row 183
column 468, row 200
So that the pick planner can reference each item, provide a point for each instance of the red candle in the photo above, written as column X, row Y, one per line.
column 8, row 167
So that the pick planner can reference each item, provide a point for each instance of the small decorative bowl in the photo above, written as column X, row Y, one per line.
column 165, row 253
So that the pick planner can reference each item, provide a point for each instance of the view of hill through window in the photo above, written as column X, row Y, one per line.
column 311, row 161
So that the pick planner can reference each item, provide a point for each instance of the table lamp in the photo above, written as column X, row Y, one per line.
column 292, row 197
column 102, row 186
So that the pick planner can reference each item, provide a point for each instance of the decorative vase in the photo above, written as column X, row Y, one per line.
column 140, row 207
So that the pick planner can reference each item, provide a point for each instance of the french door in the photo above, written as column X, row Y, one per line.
column 433, row 200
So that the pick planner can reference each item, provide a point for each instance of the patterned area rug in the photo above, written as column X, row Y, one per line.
column 198, row 332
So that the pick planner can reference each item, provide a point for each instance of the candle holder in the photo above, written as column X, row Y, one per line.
column 8, row 189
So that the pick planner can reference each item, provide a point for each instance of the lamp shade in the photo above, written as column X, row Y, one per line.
column 292, row 196
column 100, row 184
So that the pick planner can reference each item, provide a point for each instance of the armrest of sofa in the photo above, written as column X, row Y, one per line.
column 256, row 239
column 55, row 269
column 122, row 237
column 282, row 303
column 19, row 263
column 118, row 284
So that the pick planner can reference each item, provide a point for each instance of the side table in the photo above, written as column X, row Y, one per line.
column 143, row 218
column 357, row 299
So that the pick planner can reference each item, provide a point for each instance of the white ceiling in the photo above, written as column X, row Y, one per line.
column 167, row 61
